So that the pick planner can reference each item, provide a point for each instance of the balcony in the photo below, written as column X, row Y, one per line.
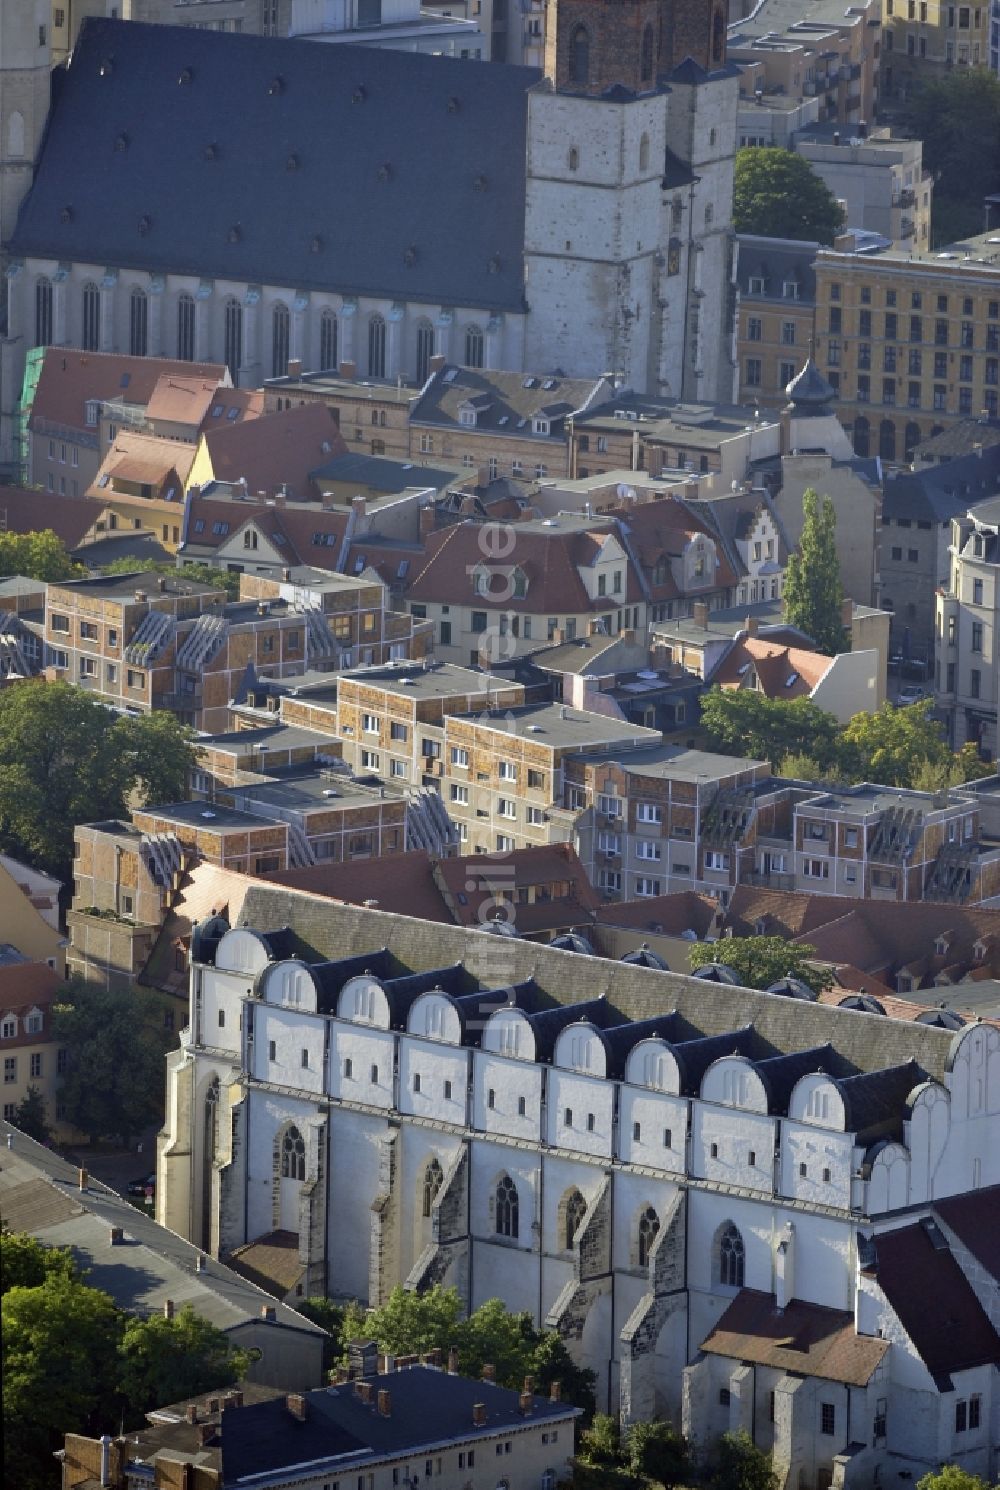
column 773, row 881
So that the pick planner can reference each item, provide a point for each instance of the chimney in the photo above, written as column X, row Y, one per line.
column 847, row 612
column 529, row 1384
column 360, row 505
column 268, row 1312
column 387, row 1364
column 191, row 1412
column 525, row 1404
column 297, row 1406
column 234, row 1399
column 427, row 516
column 836, row 136
column 206, row 1432
column 384, row 1404
column 295, row 367
column 453, row 1362
column 161, row 583
column 82, row 1178
column 437, row 363
column 862, row 129
column 349, row 371
column 479, row 1414
column 555, row 1391
column 432, row 1358
column 363, row 1391
column 199, row 1263
column 106, row 1459
column 117, row 1236
column 489, row 1372
column 752, row 626
column 699, row 613
column 168, row 1308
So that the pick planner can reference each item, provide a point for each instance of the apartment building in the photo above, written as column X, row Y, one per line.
column 820, row 50
column 29, row 1051
column 662, row 437
column 966, row 637
column 777, row 300
column 878, row 177
column 372, row 414
column 910, row 342
column 922, row 39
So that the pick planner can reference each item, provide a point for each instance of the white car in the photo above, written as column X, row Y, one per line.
column 911, row 694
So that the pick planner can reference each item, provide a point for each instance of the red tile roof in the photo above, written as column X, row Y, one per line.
column 934, row 1301
column 25, row 986
column 802, row 1338
column 401, row 883
column 70, row 379
column 291, row 527
column 24, row 511
column 781, row 671
column 474, row 884
column 667, row 915
column 278, row 450
column 660, row 530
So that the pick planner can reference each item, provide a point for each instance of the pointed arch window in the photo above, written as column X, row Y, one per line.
column 91, row 329
column 862, row 436
column 646, row 64
column 507, row 1208
column 233, row 343
column 475, row 344
column 649, row 1227
column 644, row 153
column 425, row 350
column 328, row 349
column 433, row 1180
column 280, row 324
column 731, row 1257
column 576, row 1209
column 718, row 37
column 138, row 322
column 376, row 347
column 579, row 55
column 293, row 1155
column 185, row 328
column 43, row 312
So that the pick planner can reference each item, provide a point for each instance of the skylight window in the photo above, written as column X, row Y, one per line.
column 792, row 679
column 217, row 411
column 232, row 413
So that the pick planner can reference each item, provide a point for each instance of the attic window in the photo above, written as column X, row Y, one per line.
column 315, row 244
column 360, row 94
column 410, row 256
column 121, row 143
column 199, row 525
column 217, row 411
column 359, row 563
column 220, row 529
column 211, row 151
column 454, row 104
column 235, row 233
column 293, row 162
column 384, row 172
column 66, row 215
column 480, row 183
column 276, row 86
column 232, row 414
column 791, row 680
column 186, row 75
column 145, row 223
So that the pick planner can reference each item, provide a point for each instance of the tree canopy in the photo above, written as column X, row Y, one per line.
column 893, row 746
column 168, row 1360
column 763, row 960
column 26, row 1263
column 411, row 1323
column 957, row 116
column 777, row 194
column 113, row 1083
column 38, row 555
column 952, row 1477
column 741, row 1465
column 66, row 759
column 30, row 1115
column 813, row 591
column 742, row 721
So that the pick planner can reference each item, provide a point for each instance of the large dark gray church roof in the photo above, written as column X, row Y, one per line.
column 351, row 169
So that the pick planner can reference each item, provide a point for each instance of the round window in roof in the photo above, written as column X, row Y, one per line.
column 121, row 142
column 316, row 244
column 211, row 151
column 293, row 162
column 410, row 256
column 186, row 75
column 454, row 104
column 359, row 95
column 145, row 223
column 66, row 214
column 106, row 68
column 235, row 233
column 276, row 86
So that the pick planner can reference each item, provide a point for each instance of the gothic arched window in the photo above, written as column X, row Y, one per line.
column 474, row 346
column 506, row 1207
column 376, row 347
column 579, row 56
column 575, row 1210
column 425, row 350
column 43, row 312
column 233, row 344
column 185, row 328
column 862, row 436
column 293, row 1155
column 648, row 1230
column 646, row 67
column 280, row 322
column 138, row 322
column 91, row 329
column 887, row 439
column 433, row 1180
column 328, row 338
column 718, row 37
column 731, row 1258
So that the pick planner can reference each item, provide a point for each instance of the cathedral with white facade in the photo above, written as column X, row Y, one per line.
column 239, row 199
column 740, row 1209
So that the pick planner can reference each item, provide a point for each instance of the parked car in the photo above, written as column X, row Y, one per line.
column 142, row 1184
column 911, row 694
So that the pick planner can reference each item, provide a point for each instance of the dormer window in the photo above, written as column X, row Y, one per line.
column 790, row 289
column 481, row 580
column 757, row 283
column 941, row 945
column 979, row 951
column 467, row 416
column 520, row 584
column 93, row 412
column 540, row 425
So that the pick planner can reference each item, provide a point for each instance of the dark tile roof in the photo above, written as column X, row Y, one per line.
column 775, row 260
column 960, row 438
column 934, row 1300
column 315, row 167
column 875, row 1100
column 381, row 474
column 802, row 1338
column 505, row 402
column 975, row 1219
column 944, row 490
column 429, row 1407
column 395, row 882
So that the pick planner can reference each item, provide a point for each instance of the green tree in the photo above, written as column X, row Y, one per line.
column 801, row 767
column 39, row 556
column 892, row 745
column 30, row 1115
column 26, row 1263
column 221, row 579
column 408, row 1323
column 763, row 960
column 813, row 592
column 741, row 1465
column 777, row 194
column 601, row 1442
column 551, row 1361
column 952, row 1477
column 742, row 721
column 167, row 1360
column 60, row 1372
column 114, row 1079
column 66, row 759
column 656, row 1451
column 957, row 116
column 330, row 1317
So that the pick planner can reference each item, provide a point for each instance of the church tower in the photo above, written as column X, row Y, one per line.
column 594, row 45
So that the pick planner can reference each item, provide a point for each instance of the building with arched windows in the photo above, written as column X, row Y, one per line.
column 494, row 217
column 740, row 1210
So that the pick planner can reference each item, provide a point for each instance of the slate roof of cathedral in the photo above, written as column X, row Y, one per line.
column 312, row 167
column 975, row 1219
column 802, row 1338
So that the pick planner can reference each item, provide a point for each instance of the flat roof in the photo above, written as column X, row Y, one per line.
column 206, row 817
column 558, row 725
column 445, row 681
column 269, row 736
column 124, row 586
column 306, row 789
column 688, row 765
